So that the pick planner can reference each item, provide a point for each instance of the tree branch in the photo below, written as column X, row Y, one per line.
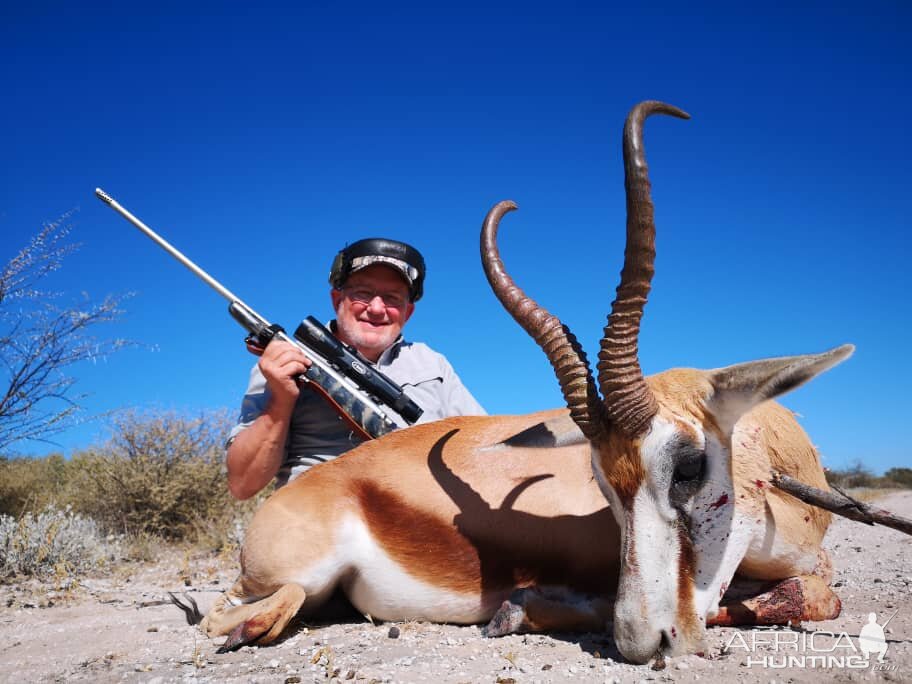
column 41, row 342
column 840, row 503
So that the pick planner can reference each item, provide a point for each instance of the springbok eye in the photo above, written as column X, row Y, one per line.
column 690, row 470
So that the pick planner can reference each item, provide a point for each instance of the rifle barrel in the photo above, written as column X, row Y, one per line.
column 168, row 247
column 345, row 394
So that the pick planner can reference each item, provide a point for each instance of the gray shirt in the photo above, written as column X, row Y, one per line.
column 317, row 433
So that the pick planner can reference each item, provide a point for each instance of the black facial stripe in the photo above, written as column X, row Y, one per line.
column 688, row 459
column 689, row 474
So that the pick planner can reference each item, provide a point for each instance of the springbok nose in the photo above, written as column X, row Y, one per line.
column 636, row 642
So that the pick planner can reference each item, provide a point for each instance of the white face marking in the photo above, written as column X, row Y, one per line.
column 663, row 511
column 647, row 594
column 657, row 552
column 659, row 466
column 379, row 586
column 720, row 530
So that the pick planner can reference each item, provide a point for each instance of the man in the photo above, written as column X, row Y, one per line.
column 283, row 431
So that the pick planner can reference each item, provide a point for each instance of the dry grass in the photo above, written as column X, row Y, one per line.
column 868, row 494
column 160, row 478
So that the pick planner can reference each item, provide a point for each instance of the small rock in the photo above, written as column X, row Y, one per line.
column 393, row 632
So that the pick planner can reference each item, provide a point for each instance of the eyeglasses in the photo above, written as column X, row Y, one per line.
column 362, row 295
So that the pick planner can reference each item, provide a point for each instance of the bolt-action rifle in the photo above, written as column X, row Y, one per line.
column 343, row 377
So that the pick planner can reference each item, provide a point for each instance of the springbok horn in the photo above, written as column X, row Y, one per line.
column 560, row 345
column 629, row 403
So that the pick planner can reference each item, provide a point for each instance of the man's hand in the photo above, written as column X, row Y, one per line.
column 280, row 364
column 257, row 453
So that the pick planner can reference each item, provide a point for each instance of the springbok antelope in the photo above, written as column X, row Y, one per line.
column 645, row 502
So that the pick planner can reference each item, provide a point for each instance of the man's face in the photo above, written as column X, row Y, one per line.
column 371, row 309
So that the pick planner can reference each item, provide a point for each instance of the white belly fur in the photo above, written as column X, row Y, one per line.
column 380, row 587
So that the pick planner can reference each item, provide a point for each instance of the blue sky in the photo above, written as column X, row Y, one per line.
column 260, row 139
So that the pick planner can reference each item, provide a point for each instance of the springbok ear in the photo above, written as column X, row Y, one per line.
column 741, row 387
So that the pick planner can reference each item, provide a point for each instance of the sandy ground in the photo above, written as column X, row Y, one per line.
column 120, row 629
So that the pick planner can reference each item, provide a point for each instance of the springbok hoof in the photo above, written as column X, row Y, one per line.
column 507, row 620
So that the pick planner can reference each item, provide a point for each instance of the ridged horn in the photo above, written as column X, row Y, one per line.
column 560, row 345
column 629, row 403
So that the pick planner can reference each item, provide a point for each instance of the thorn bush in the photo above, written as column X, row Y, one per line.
column 161, row 474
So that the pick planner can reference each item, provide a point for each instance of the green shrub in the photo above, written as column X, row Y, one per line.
column 161, row 474
column 857, row 476
column 901, row 476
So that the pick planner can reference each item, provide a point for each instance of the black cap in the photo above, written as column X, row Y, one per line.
column 404, row 258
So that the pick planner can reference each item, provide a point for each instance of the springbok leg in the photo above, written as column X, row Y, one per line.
column 536, row 610
column 261, row 621
column 796, row 599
